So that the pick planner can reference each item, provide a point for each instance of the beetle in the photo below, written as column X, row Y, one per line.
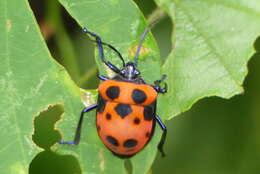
column 126, row 107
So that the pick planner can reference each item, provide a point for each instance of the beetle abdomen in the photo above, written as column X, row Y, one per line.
column 125, row 129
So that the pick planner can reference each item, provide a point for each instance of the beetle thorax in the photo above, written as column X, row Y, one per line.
column 130, row 72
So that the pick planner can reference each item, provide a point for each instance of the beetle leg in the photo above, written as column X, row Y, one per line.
column 157, row 85
column 78, row 130
column 164, row 129
column 157, row 82
column 161, row 90
column 102, row 77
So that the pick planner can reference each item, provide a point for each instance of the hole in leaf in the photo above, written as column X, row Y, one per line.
column 257, row 44
column 49, row 162
column 44, row 134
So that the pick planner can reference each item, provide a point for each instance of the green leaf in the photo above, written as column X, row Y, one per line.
column 30, row 81
column 213, row 41
column 210, row 57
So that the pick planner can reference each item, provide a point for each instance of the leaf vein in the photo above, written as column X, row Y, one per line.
column 209, row 45
column 7, row 49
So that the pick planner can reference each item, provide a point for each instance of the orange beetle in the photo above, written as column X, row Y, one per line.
column 126, row 107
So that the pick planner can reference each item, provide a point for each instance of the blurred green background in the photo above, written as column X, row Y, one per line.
column 216, row 136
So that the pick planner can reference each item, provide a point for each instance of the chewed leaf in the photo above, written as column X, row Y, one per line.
column 30, row 81
column 213, row 41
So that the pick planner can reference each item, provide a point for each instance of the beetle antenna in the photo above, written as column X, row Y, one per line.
column 142, row 39
column 115, row 50
column 101, row 51
column 99, row 42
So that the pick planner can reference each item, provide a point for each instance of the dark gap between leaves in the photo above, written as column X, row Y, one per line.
column 56, row 25
column 163, row 34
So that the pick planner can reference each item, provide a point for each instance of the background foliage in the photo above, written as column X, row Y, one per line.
column 209, row 58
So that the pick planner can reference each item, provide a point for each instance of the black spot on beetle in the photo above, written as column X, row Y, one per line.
column 101, row 104
column 130, row 143
column 148, row 113
column 123, row 110
column 113, row 92
column 136, row 120
column 108, row 116
column 138, row 96
column 112, row 140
